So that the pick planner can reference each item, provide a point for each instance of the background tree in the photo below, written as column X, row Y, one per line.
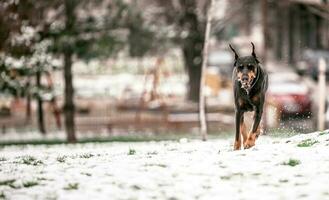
column 187, row 19
column 23, row 55
column 87, row 35
column 76, row 30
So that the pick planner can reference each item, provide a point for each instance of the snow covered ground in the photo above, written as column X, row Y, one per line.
column 277, row 168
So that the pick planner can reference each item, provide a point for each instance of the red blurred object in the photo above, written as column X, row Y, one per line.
column 292, row 104
column 290, row 96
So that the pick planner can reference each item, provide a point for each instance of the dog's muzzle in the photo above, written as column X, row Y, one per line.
column 245, row 82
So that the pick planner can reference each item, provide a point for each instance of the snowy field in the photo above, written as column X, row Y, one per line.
column 277, row 168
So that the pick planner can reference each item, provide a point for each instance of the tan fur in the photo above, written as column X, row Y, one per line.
column 243, row 132
column 237, row 145
column 251, row 75
column 239, row 74
column 250, row 142
column 255, row 98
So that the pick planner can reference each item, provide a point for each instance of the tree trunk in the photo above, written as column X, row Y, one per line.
column 194, row 74
column 69, row 104
column 192, row 48
column 53, row 102
column 28, row 104
column 279, row 30
column 202, row 103
column 264, row 5
column 291, row 21
column 41, row 123
column 69, row 91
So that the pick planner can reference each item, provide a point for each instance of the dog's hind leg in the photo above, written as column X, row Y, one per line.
column 238, row 126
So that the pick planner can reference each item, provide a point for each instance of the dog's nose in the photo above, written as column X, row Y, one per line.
column 244, row 79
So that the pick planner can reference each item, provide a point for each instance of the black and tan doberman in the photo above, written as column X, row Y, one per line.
column 250, row 83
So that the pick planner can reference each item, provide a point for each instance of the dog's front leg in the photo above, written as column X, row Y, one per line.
column 255, row 130
column 238, row 117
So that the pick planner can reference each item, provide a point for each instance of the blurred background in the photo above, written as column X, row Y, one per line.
column 74, row 68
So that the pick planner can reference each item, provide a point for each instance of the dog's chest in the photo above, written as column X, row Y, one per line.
column 246, row 106
column 248, row 103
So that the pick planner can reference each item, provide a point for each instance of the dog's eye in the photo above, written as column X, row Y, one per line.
column 250, row 67
column 240, row 67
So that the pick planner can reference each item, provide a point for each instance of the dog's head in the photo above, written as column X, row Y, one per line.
column 246, row 68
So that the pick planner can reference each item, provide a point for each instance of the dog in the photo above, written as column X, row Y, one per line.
column 250, row 82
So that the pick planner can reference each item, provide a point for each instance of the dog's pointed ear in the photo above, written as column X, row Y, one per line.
column 253, row 52
column 236, row 56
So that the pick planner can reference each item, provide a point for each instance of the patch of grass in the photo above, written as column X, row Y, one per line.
column 136, row 187
column 156, row 165
column 61, row 159
column 167, row 136
column 307, row 143
column 30, row 160
column 28, row 184
column 86, row 155
column 14, row 186
column 7, row 182
column 303, row 196
column 173, row 149
column 129, row 138
column 237, row 174
column 207, row 187
column 225, row 177
column 44, row 179
column 86, row 173
column 72, row 186
column 152, row 153
column 292, row 162
column 131, row 152
column 323, row 133
column 2, row 195
column 256, row 174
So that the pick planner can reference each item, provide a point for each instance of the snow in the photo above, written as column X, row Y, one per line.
column 184, row 169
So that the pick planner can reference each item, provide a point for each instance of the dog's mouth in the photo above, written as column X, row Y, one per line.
column 246, row 84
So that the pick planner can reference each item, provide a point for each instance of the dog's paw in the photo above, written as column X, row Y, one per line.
column 237, row 146
column 249, row 143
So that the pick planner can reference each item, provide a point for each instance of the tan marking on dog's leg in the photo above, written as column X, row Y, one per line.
column 237, row 145
column 243, row 132
column 251, row 139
